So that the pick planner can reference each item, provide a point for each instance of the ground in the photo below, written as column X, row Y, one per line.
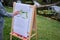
column 48, row 29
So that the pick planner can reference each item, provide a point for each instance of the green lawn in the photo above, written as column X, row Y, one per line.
column 48, row 29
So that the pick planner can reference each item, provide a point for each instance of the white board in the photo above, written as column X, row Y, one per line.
column 22, row 21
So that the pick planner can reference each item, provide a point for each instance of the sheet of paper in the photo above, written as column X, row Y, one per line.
column 22, row 21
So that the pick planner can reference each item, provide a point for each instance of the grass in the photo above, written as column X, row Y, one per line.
column 48, row 29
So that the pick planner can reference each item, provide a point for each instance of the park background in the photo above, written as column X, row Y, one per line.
column 48, row 28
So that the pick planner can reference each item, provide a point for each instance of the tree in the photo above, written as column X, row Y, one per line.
column 10, row 2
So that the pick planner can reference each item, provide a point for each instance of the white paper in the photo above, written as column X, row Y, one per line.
column 21, row 22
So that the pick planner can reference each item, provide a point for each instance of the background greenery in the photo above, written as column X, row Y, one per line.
column 10, row 2
column 48, row 29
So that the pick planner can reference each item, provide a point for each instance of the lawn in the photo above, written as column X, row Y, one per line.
column 48, row 29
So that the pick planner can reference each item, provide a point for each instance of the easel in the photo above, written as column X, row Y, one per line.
column 32, row 27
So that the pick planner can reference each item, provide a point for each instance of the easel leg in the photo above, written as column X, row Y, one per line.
column 36, row 25
column 10, row 37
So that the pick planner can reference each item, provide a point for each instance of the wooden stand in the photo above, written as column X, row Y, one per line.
column 33, row 27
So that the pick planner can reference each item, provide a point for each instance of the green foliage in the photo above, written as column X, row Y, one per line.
column 45, row 12
column 9, row 2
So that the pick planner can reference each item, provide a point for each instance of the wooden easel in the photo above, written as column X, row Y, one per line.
column 33, row 27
